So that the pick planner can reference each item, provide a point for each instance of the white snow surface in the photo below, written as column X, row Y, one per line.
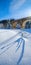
column 8, row 46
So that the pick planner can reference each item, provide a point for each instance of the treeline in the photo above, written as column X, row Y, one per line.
column 10, row 24
column 17, row 24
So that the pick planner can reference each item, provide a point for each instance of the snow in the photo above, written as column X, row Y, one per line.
column 15, row 45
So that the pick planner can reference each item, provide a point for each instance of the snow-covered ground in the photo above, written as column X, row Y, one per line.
column 15, row 47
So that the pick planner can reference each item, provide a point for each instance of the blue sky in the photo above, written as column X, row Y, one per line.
column 14, row 9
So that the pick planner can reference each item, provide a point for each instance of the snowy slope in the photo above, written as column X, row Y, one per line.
column 15, row 47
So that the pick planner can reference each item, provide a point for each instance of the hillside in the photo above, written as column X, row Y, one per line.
column 19, row 23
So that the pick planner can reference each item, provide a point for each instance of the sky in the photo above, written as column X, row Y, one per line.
column 14, row 9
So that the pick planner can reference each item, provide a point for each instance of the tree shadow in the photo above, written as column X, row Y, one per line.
column 22, row 53
column 20, row 40
column 4, row 47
